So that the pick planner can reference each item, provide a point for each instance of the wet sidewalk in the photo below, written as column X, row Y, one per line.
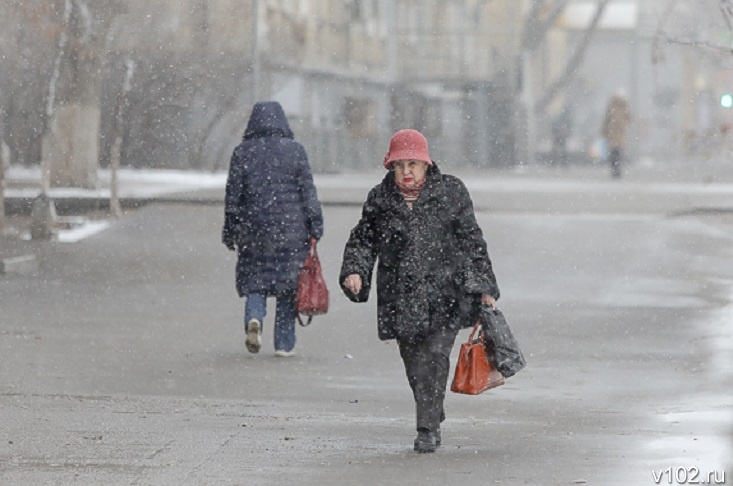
column 124, row 363
column 124, row 360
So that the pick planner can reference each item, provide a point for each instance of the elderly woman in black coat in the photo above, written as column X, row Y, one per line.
column 433, row 270
column 271, row 213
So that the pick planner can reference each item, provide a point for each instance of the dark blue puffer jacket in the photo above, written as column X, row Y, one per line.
column 271, row 207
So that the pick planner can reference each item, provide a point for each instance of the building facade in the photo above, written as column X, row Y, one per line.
column 348, row 73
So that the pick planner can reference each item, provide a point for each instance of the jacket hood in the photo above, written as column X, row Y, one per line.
column 267, row 120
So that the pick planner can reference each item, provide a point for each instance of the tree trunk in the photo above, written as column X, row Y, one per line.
column 117, row 135
column 2, row 188
column 70, row 150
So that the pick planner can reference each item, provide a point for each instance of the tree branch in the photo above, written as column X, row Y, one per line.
column 696, row 43
column 726, row 8
column 574, row 62
column 535, row 29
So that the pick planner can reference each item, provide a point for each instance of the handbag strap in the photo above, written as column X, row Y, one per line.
column 312, row 251
column 306, row 324
column 477, row 327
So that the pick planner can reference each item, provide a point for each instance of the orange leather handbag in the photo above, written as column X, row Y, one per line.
column 474, row 373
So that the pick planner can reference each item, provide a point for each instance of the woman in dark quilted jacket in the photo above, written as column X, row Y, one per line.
column 433, row 270
column 271, row 213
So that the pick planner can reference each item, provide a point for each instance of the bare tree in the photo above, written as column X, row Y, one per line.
column 726, row 8
column 58, row 50
column 699, row 27
column 29, row 32
column 539, row 20
column 571, row 68
column 49, row 122
column 537, row 23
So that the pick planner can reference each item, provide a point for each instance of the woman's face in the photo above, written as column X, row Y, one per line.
column 410, row 172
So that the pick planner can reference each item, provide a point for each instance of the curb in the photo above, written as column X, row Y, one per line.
column 71, row 206
column 20, row 265
column 566, row 203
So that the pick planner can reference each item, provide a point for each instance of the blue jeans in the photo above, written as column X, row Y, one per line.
column 256, row 308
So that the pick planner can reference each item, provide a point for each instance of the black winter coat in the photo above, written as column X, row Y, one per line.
column 433, row 264
column 271, row 207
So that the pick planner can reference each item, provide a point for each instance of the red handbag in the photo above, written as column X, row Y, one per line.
column 474, row 373
column 312, row 298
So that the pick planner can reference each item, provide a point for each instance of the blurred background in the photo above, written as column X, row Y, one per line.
column 492, row 83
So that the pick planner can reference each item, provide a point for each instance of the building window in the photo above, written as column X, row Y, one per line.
column 354, row 7
column 359, row 116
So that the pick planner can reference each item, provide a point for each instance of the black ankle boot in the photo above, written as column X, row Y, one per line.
column 425, row 441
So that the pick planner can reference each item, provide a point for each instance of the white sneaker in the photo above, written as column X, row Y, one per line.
column 254, row 336
column 284, row 354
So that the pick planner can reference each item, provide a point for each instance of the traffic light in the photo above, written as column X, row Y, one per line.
column 726, row 101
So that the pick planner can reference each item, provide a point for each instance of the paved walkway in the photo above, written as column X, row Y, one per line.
column 124, row 363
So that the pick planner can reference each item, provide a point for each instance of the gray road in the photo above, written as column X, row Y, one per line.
column 123, row 362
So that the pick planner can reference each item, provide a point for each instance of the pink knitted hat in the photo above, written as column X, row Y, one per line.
column 407, row 144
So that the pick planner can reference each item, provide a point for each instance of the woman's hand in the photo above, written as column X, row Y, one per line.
column 487, row 299
column 353, row 283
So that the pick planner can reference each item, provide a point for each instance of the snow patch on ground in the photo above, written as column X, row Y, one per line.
column 72, row 229
column 81, row 231
column 132, row 183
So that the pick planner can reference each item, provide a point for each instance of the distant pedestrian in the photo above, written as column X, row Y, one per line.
column 271, row 213
column 615, row 124
column 561, row 127
column 433, row 270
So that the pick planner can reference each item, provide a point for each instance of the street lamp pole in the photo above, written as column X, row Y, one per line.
column 255, row 93
column 391, row 39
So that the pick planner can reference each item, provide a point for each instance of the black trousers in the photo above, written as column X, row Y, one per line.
column 427, row 365
column 614, row 158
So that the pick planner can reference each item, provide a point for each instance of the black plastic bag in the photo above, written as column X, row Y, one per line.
column 501, row 345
